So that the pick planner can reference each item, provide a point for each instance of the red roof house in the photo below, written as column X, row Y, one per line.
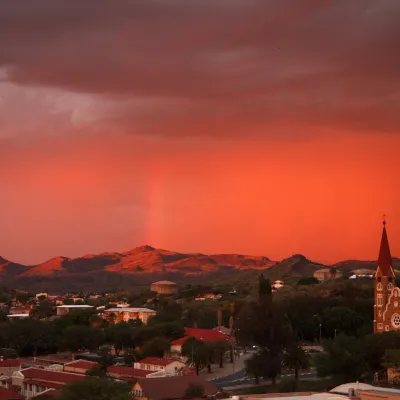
column 9, row 394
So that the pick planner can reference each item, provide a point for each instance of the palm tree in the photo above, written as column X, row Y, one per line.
column 221, row 347
column 197, row 354
column 295, row 358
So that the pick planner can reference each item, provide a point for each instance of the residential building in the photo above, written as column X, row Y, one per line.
column 170, row 388
column 164, row 287
column 204, row 335
column 9, row 394
column 18, row 316
column 80, row 366
column 325, row 274
column 9, row 366
column 387, row 295
column 127, row 373
column 168, row 365
column 119, row 314
column 33, row 381
column 65, row 309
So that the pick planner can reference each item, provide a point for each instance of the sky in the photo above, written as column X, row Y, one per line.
column 262, row 127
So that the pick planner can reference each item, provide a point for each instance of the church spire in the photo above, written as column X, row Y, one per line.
column 385, row 259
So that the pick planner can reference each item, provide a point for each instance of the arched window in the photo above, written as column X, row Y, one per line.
column 379, row 286
column 390, row 286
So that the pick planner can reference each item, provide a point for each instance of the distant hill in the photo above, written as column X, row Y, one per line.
column 144, row 265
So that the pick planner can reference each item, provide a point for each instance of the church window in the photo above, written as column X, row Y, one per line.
column 396, row 321
column 380, row 300
column 390, row 279
column 390, row 286
column 379, row 279
column 387, row 328
column 380, row 313
column 379, row 286
column 380, row 326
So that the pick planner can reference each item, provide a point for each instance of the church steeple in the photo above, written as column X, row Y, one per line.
column 385, row 259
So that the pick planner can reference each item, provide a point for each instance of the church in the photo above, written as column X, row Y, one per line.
column 387, row 294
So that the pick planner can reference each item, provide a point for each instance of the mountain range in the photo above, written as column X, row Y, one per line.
column 144, row 265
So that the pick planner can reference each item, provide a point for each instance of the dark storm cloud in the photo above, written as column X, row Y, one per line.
column 332, row 63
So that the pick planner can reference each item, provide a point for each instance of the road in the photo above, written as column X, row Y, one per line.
column 241, row 378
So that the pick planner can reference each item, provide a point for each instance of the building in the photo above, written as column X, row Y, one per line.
column 65, row 309
column 127, row 373
column 164, row 287
column 387, row 295
column 80, row 366
column 327, row 273
column 362, row 273
column 171, row 388
column 167, row 365
column 9, row 394
column 34, row 381
column 204, row 335
column 126, row 314
column 8, row 367
column 18, row 316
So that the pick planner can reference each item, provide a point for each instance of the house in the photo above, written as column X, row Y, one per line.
column 33, row 381
column 119, row 314
column 9, row 366
column 49, row 393
column 18, row 316
column 327, row 273
column 204, row 335
column 65, row 309
column 127, row 373
column 9, row 394
column 170, row 388
column 80, row 366
column 168, row 365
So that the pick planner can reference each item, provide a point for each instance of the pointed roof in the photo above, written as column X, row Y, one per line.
column 385, row 258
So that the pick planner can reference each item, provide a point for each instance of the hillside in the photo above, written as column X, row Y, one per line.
column 144, row 265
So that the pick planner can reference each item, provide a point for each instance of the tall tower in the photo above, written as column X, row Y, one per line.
column 384, row 283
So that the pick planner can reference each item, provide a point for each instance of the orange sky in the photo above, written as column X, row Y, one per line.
column 322, row 197
column 246, row 126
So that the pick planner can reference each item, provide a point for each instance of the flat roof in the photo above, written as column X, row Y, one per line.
column 129, row 309
column 18, row 315
column 75, row 306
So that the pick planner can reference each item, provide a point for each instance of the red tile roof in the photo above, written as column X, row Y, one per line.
column 9, row 394
column 204, row 335
column 174, row 387
column 385, row 259
column 48, row 385
column 48, row 393
column 157, row 361
column 128, row 371
column 82, row 364
column 11, row 362
column 45, row 375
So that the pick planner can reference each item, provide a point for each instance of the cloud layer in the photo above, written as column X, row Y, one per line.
column 215, row 67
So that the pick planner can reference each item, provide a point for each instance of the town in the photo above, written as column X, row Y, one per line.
column 328, row 333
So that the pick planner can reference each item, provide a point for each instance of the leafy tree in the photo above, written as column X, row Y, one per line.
column 343, row 358
column 77, row 337
column 220, row 348
column 264, row 364
column 341, row 319
column 308, row 281
column 106, row 358
column 244, row 323
column 197, row 353
column 264, row 289
column 96, row 389
column 155, row 347
column 391, row 358
column 194, row 390
column 120, row 335
column 375, row 347
column 43, row 310
column 255, row 367
column 295, row 358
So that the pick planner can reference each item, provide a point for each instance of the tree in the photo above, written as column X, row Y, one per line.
column 255, row 367
column 287, row 385
column 155, row 347
column 391, row 358
column 77, row 337
column 197, row 353
column 120, row 335
column 264, row 289
column 106, row 358
column 341, row 319
column 96, row 389
column 343, row 358
column 220, row 348
column 194, row 390
column 264, row 364
column 295, row 358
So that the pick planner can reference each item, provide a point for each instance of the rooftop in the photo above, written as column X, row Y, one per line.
column 9, row 394
column 38, row 374
column 130, row 309
column 75, row 306
column 156, row 361
column 11, row 362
